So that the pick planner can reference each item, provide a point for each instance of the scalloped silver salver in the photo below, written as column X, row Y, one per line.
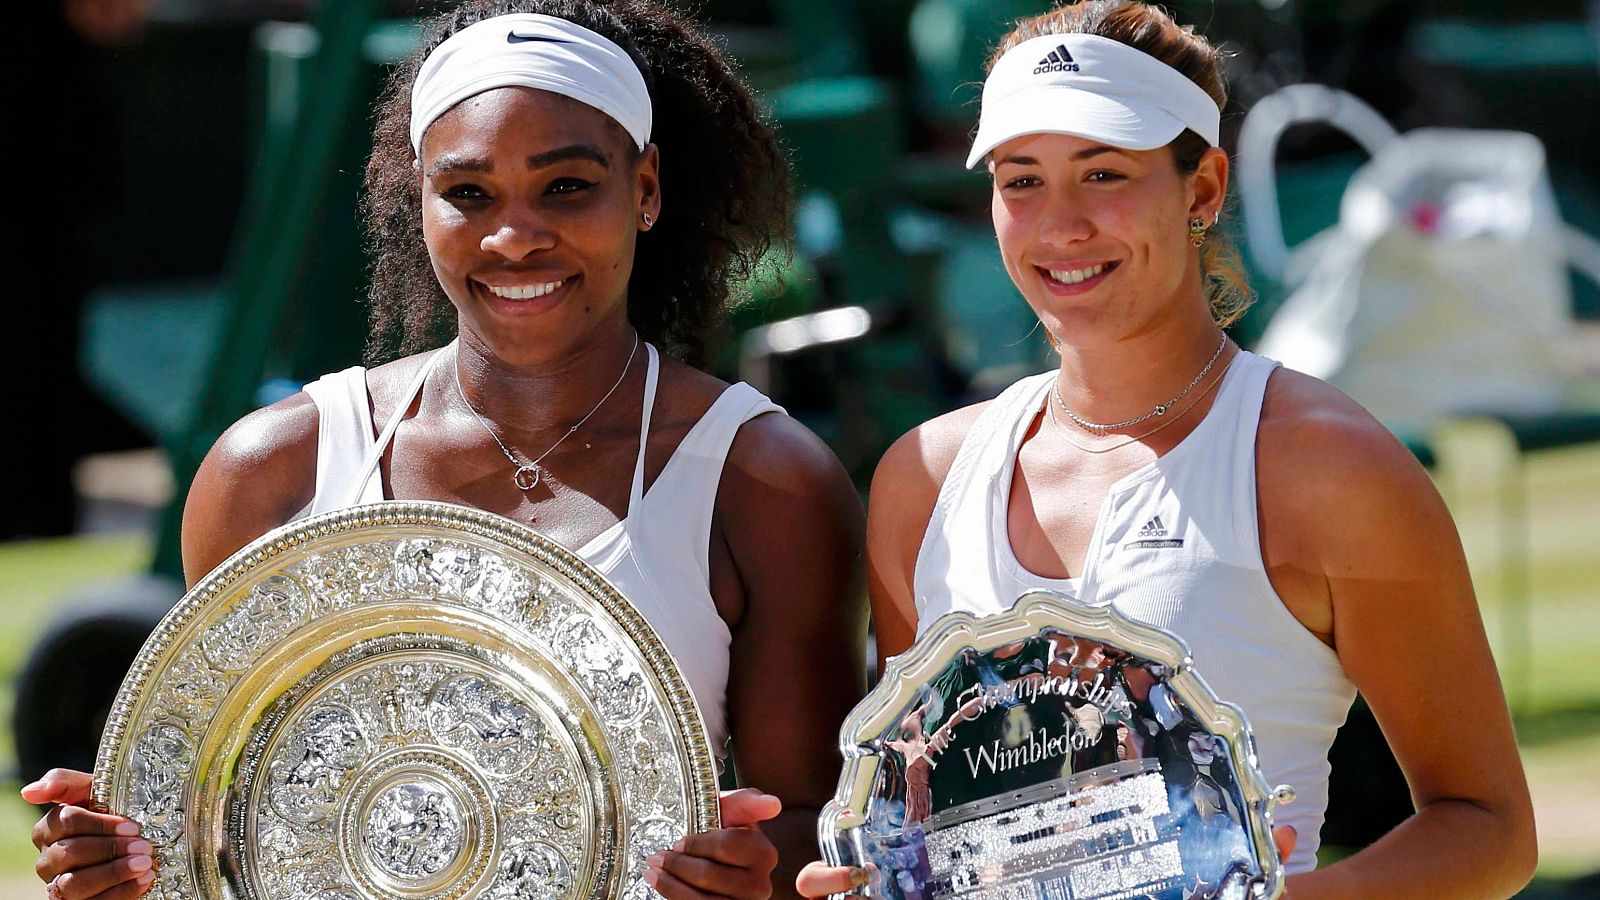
column 406, row 699
column 1056, row 751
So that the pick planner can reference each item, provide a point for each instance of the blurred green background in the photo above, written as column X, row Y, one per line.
column 203, row 258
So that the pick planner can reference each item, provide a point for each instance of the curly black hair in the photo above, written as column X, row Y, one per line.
column 722, row 171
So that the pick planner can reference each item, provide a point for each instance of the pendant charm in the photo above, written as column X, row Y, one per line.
column 1161, row 410
column 527, row 477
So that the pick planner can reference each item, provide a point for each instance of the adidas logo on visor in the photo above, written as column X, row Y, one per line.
column 1059, row 60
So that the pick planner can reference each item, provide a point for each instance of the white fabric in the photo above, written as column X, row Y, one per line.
column 1202, row 578
column 1092, row 87
column 1442, row 290
column 657, row 555
column 530, row 50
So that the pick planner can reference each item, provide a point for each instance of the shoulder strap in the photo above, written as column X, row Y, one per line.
column 1251, row 395
column 652, row 377
column 357, row 492
column 995, row 435
column 959, row 526
column 344, row 433
column 686, row 489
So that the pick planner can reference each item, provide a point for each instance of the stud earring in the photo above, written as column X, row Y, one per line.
column 1197, row 231
column 649, row 220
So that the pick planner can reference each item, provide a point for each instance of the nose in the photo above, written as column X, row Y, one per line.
column 517, row 234
column 1064, row 220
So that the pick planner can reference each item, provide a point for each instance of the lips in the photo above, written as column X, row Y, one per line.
column 525, row 294
column 528, row 291
column 1075, row 277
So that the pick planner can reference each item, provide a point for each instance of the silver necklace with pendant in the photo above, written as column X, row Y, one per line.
column 1132, row 439
column 1102, row 428
column 528, row 474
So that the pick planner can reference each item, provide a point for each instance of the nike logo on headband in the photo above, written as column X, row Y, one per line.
column 514, row 38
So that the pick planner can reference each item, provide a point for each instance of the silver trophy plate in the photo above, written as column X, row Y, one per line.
column 1057, row 751
column 406, row 700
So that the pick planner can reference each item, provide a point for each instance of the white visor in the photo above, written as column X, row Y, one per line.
column 529, row 50
column 1091, row 87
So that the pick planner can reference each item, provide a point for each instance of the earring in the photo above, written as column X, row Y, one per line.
column 649, row 220
column 1197, row 231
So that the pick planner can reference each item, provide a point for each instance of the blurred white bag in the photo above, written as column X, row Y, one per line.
column 1442, row 289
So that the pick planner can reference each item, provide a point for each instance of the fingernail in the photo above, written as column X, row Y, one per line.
column 127, row 829
column 678, row 847
column 33, row 787
column 859, row 876
column 140, row 848
column 138, row 863
column 146, row 878
column 657, row 861
column 651, row 876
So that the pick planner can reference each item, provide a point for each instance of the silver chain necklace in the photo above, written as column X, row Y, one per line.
column 528, row 475
column 1160, row 410
column 1133, row 439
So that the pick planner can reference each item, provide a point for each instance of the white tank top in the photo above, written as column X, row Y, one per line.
column 1176, row 545
column 657, row 555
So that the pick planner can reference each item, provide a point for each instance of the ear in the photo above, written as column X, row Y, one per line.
column 647, row 178
column 1208, row 186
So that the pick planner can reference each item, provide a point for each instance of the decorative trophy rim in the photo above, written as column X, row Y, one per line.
column 1034, row 611
column 427, row 519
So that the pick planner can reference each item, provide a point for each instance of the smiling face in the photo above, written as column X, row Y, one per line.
column 531, row 206
column 1097, row 238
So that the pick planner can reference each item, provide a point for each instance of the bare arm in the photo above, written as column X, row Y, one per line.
column 905, row 488
column 1352, row 525
column 260, row 473
column 798, row 658
column 790, row 523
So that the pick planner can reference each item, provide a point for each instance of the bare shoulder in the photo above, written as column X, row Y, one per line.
column 777, row 453
column 260, row 472
column 914, row 467
column 1324, row 463
column 905, row 489
column 388, row 383
column 1326, row 437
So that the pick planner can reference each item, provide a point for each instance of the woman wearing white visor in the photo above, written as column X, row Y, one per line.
column 1266, row 518
column 562, row 192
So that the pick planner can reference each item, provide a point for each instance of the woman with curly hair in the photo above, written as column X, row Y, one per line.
column 557, row 188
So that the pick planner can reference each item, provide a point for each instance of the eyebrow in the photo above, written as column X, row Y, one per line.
column 570, row 151
column 1086, row 153
column 478, row 165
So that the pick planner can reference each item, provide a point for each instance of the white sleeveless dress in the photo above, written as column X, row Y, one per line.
column 1176, row 545
column 657, row 555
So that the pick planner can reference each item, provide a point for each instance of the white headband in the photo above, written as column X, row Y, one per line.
column 1092, row 87
column 528, row 50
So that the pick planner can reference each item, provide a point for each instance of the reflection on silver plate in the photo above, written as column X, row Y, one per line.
column 1056, row 751
column 411, row 700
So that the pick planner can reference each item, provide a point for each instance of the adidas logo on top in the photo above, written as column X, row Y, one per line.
column 1154, row 536
column 1058, row 60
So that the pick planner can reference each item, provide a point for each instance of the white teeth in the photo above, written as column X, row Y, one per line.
column 1075, row 276
column 524, row 291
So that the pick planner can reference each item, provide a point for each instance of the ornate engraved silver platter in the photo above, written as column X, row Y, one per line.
column 1057, row 751
column 406, row 700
